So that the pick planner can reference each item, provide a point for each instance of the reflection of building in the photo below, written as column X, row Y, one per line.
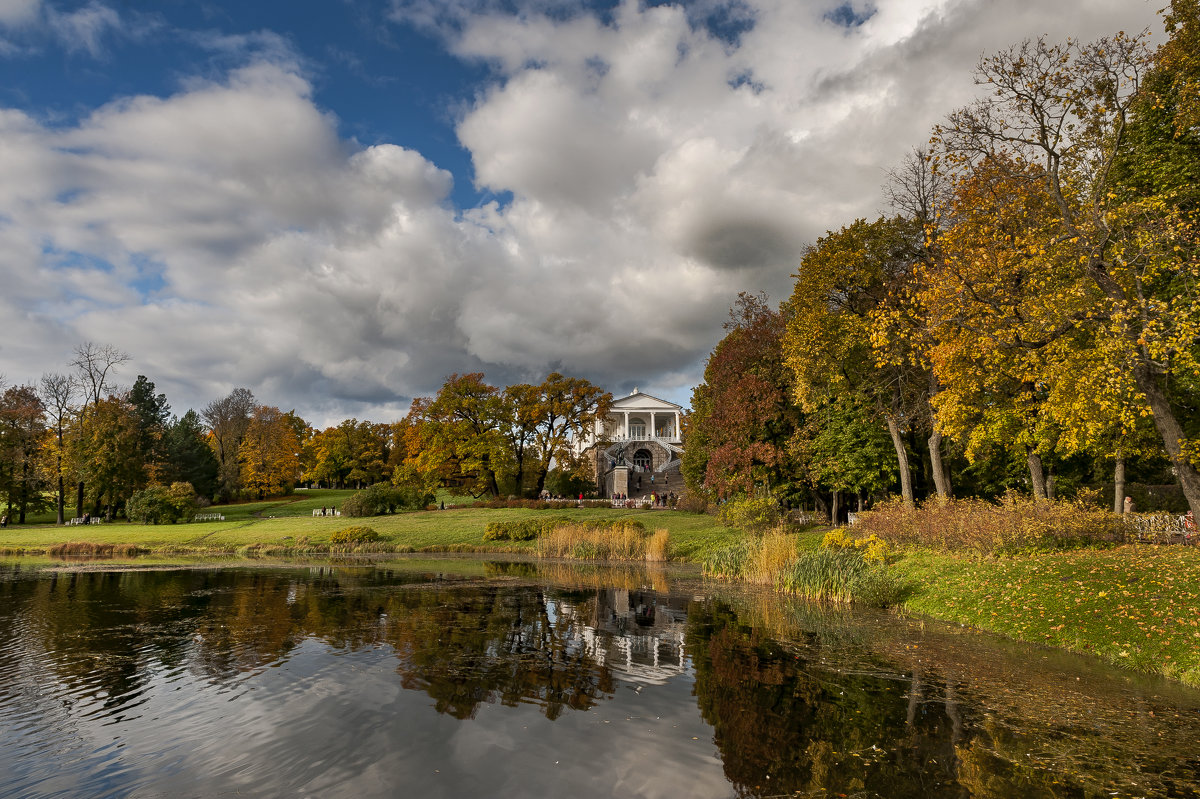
column 638, row 635
column 637, row 446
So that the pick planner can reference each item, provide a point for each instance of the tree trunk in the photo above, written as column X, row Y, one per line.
column 833, row 509
column 1037, row 475
column 906, row 489
column 79, row 500
column 1172, row 435
column 61, row 499
column 941, row 475
column 1119, row 485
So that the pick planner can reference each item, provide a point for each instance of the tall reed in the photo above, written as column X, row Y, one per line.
column 613, row 541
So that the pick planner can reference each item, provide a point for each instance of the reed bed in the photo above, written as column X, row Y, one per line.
column 617, row 540
column 88, row 549
column 841, row 575
column 754, row 560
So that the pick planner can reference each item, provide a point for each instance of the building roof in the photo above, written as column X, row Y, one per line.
column 637, row 401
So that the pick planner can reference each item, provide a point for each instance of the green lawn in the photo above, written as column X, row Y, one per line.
column 289, row 522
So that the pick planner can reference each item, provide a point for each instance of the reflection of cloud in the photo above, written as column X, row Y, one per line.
column 658, row 160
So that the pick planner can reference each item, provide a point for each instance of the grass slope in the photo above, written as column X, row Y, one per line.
column 1136, row 605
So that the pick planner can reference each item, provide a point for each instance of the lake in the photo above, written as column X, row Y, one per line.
column 466, row 677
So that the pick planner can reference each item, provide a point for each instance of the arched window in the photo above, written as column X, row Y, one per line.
column 642, row 459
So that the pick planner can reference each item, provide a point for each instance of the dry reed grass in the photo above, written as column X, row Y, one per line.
column 612, row 541
column 88, row 549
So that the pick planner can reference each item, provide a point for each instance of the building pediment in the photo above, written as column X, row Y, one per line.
column 637, row 401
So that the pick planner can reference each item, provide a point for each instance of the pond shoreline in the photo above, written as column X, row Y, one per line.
column 1136, row 606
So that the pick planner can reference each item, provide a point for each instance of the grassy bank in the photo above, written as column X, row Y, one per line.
column 277, row 526
column 1136, row 606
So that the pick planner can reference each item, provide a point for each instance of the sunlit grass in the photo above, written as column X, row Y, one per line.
column 1135, row 605
column 453, row 530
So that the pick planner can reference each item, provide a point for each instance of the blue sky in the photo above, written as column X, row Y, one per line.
column 338, row 204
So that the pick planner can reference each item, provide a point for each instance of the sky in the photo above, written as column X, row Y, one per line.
column 338, row 204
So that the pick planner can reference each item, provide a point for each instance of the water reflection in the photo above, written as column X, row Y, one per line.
column 511, row 679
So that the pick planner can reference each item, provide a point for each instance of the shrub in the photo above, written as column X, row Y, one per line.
column 354, row 535
column 159, row 504
column 381, row 498
column 873, row 548
column 692, row 503
column 522, row 529
column 753, row 515
column 1014, row 524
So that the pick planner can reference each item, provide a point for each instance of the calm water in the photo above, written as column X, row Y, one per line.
column 467, row 678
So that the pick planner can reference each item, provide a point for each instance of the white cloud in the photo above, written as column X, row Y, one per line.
column 18, row 12
column 228, row 235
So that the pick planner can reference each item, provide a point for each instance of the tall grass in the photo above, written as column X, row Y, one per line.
column 87, row 549
column 842, row 576
column 1014, row 524
column 612, row 541
column 829, row 574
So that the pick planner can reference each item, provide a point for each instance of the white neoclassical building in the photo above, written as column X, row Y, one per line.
column 637, row 446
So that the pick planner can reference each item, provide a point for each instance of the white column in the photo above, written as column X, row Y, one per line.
column 678, row 432
column 653, row 425
column 626, row 432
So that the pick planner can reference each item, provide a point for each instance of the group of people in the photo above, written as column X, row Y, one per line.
column 656, row 500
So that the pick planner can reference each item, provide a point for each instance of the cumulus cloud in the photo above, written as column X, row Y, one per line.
column 653, row 161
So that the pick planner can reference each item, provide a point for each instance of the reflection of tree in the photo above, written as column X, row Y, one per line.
column 787, row 724
column 468, row 647
column 463, row 645
column 823, row 716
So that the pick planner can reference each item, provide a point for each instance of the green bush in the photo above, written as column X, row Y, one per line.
column 754, row 515
column 521, row 530
column 159, row 504
column 382, row 498
column 354, row 535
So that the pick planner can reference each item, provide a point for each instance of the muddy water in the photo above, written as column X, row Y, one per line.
column 473, row 678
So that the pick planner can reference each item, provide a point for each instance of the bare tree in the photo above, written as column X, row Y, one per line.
column 227, row 418
column 58, row 396
column 918, row 190
column 95, row 363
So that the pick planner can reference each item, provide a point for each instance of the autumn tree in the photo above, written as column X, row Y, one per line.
column 22, row 426
column 58, row 394
column 843, row 283
column 560, row 410
column 987, row 328
column 269, row 453
column 742, row 416
column 105, row 452
column 352, row 453
column 1126, row 266
column 459, row 438
column 227, row 419
column 95, row 365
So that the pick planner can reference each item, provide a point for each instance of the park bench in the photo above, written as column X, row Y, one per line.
column 1161, row 528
